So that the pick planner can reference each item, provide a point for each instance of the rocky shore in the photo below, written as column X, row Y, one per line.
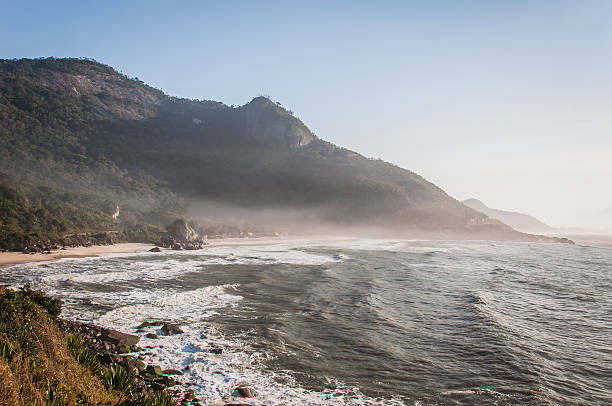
column 117, row 349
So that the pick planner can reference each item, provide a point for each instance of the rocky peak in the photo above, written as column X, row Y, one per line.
column 276, row 127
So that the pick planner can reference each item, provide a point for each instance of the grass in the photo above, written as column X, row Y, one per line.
column 40, row 367
column 7, row 352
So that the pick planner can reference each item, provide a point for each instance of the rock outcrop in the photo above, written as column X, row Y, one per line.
column 181, row 236
column 274, row 126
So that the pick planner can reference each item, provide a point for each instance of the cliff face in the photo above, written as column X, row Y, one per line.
column 274, row 126
column 78, row 125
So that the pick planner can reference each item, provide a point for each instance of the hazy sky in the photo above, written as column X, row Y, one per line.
column 506, row 101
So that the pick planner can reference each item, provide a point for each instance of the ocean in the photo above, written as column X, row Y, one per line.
column 360, row 322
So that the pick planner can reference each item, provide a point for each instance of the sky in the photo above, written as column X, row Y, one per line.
column 509, row 102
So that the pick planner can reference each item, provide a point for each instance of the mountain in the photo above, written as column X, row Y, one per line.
column 91, row 138
column 518, row 221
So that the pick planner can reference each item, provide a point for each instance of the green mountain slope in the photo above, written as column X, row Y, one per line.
column 74, row 125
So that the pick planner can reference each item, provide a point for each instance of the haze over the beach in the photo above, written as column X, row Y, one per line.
column 507, row 102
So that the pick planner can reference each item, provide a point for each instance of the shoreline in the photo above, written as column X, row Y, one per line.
column 8, row 259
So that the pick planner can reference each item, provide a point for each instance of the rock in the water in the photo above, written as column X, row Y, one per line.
column 151, row 335
column 172, row 372
column 171, row 329
column 155, row 249
column 149, row 324
column 245, row 391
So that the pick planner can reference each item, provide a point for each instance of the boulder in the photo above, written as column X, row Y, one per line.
column 155, row 249
column 124, row 349
column 154, row 370
column 118, row 338
column 181, row 231
column 172, row 372
column 245, row 392
column 182, row 236
column 149, row 324
column 171, row 329
column 151, row 335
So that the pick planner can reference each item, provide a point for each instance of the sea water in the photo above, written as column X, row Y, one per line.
column 360, row 322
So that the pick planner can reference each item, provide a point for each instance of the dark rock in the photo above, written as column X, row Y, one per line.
column 149, row 324
column 245, row 391
column 108, row 358
column 181, row 236
column 155, row 249
column 171, row 329
column 140, row 365
column 172, row 372
column 133, row 366
column 157, row 386
column 119, row 338
column 154, row 370
column 124, row 349
column 181, row 231
column 216, row 351
column 151, row 335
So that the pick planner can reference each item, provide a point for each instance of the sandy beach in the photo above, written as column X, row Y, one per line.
column 14, row 258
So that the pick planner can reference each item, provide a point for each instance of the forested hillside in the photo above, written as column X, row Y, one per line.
column 78, row 138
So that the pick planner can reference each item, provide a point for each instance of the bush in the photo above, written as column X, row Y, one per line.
column 83, row 356
column 119, row 379
column 50, row 305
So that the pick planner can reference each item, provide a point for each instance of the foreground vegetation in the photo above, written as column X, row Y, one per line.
column 39, row 366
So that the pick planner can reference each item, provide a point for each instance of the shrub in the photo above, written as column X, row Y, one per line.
column 119, row 379
column 83, row 356
column 156, row 399
column 49, row 304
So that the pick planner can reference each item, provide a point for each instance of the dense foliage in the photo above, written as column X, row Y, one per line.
column 31, row 215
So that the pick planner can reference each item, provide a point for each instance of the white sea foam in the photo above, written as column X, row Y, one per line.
column 107, row 290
